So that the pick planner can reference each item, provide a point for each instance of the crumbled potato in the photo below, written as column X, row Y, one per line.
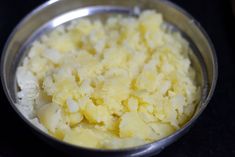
column 114, row 84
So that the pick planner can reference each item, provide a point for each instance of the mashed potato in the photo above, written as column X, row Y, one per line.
column 114, row 84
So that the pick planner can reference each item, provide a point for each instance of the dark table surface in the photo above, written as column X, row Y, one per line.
column 213, row 135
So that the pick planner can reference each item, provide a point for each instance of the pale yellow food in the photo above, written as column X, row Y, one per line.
column 121, row 83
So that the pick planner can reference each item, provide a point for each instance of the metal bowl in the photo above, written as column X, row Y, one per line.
column 56, row 12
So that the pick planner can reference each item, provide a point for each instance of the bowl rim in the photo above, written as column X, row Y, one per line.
column 165, row 140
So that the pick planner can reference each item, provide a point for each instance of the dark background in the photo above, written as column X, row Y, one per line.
column 213, row 135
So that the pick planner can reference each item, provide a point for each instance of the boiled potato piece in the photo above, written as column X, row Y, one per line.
column 50, row 115
column 82, row 137
column 132, row 125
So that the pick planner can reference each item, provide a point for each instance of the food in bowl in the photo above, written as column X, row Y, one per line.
column 115, row 84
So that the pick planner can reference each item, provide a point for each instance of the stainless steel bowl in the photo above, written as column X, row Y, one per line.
column 56, row 12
